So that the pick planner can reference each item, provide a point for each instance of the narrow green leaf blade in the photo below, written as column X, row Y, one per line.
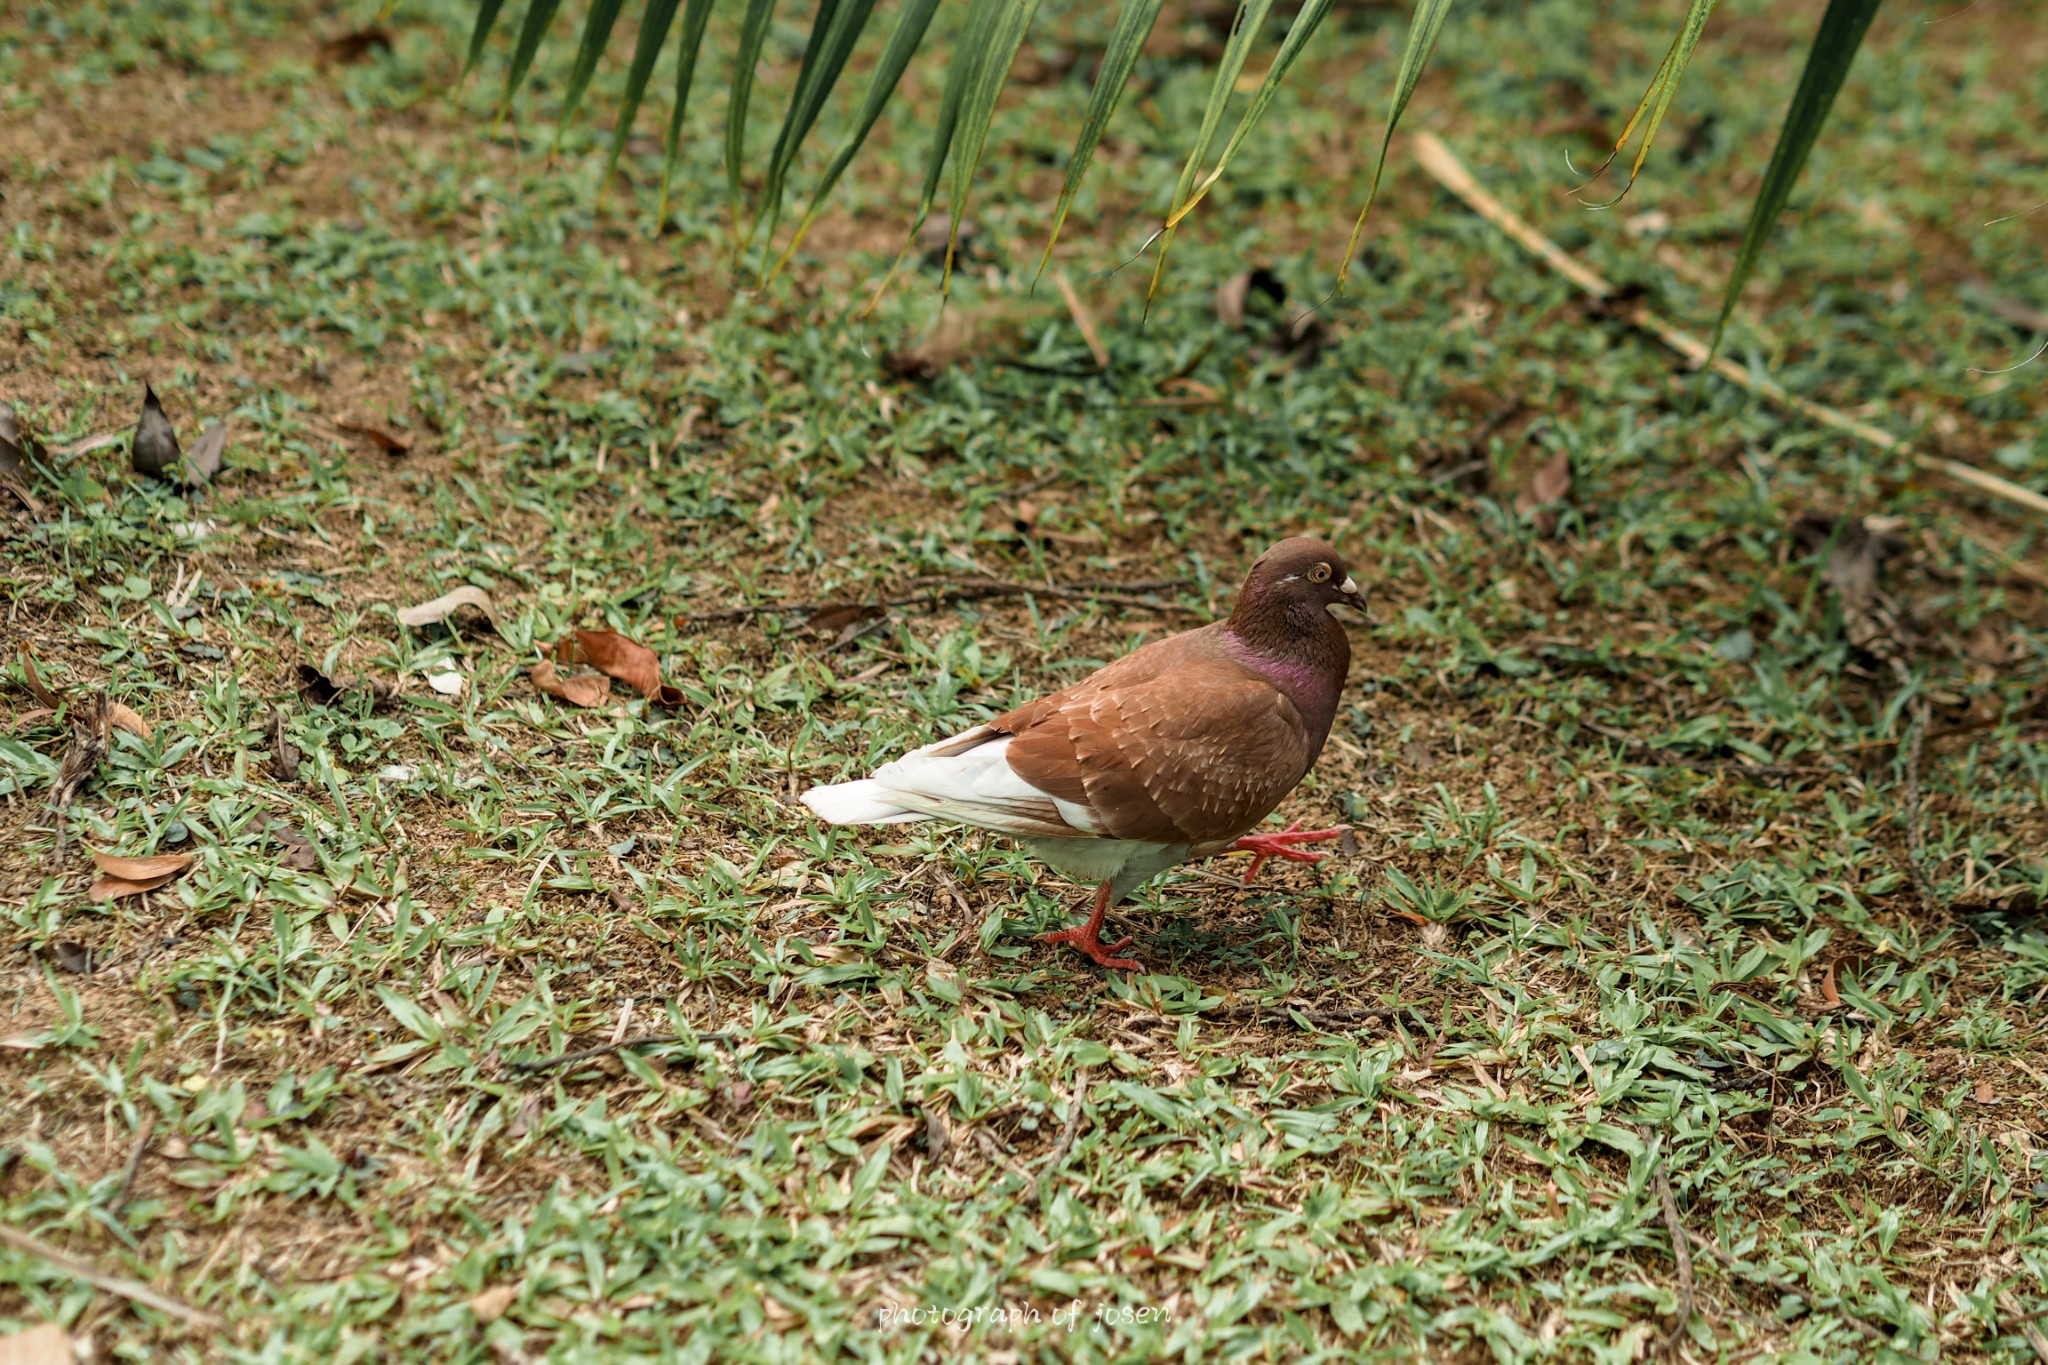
column 539, row 15
column 654, row 26
column 1422, row 35
column 696, row 14
column 1298, row 33
column 1005, row 34
column 1133, row 27
column 753, row 33
column 1827, row 63
column 1657, row 97
column 838, row 27
column 1251, row 17
column 911, row 22
column 597, row 32
column 486, row 19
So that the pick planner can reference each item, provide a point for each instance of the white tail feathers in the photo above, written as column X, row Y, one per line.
column 866, row 802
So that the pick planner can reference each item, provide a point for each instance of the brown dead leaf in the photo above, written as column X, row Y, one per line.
column 121, row 718
column 284, row 755
column 203, row 461
column 446, row 605
column 1985, row 1093
column 385, row 439
column 352, row 49
column 1551, row 485
column 105, row 889
column 299, row 851
column 74, row 958
column 48, row 1344
column 1828, row 990
column 158, row 867
column 34, row 716
column 154, row 449
column 493, row 1303
column 90, row 723
column 39, row 689
column 844, row 620
column 583, row 689
column 613, row 655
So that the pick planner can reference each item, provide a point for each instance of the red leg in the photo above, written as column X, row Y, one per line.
column 1281, row 845
column 1085, row 937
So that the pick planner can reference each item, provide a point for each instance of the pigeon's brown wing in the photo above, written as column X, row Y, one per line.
column 1184, row 747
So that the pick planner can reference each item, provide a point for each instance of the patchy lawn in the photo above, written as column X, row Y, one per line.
column 1698, row 818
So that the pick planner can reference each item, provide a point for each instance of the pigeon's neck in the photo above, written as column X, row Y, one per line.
column 1301, row 648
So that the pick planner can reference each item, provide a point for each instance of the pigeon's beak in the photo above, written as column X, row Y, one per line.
column 1354, row 597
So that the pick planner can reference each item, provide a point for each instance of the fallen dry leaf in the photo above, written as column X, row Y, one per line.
column 204, row 461
column 74, row 958
column 1551, row 485
column 613, row 655
column 350, row 49
column 284, row 755
column 583, row 689
column 492, row 1303
column 1985, row 1093
column 39, row 689
column 158, row 867
column 1828, row 990
column 86, row 445
column 121, row 718
column 34, row 716
column 445, row 606
column 385, row 439
column 48, row 1344
column 844, row 619
column 299, row 851
column 154, row 450
column 90, row 724
column 105, row 889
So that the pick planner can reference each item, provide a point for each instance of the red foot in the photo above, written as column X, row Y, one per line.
column 1281, row 845
column 1086, row 937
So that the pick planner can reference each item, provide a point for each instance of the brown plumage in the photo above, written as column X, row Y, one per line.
column 1175, row 751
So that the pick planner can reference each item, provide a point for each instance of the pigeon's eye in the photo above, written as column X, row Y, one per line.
column 1319, row 574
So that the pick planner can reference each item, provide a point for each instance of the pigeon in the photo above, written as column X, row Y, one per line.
column 1174, row 752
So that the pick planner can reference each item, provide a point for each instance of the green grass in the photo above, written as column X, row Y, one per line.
column 1632, row 905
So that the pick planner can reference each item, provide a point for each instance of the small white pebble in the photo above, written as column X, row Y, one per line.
column 448, row 684
column 193, row 530
column 398, row 772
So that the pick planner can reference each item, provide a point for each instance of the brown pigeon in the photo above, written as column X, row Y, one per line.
column 1172, row 753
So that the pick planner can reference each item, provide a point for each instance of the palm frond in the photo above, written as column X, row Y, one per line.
column 1422, row 35
column 696, row 15
column 1834, row 47
column 1133, row 27
column 1656, row 100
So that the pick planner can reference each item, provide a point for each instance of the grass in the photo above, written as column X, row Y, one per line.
column 1633, row 910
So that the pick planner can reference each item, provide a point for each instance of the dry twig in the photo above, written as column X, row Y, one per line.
column 1681, row 1252
column 1444, row 166
column 1916, row 849
column 135, row 1291
column 1065, row 1146
column 136, row 1151
column 1082, row 320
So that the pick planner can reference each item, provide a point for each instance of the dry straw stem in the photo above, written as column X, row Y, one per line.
column 133, row 1290
column 1444, row 166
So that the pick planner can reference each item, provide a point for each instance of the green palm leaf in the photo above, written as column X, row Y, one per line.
column 486, row 20
column 1656, row 100
column 695, row 16
column 532, row 29
column 653, row 33
column 1251, row 17
column 834, row 31
column 597, row 31
column 1422, row 35
column 911, row 22
column 1827, row 63
column 1000, row 38
column 753, row 33
column 1118, row 61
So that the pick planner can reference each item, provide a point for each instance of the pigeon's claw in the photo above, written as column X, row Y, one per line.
column 1281, row 845
column 1086, row 938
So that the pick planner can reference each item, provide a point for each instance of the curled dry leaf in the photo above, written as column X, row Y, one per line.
column 351, row 49
column 121, row 718
column 493, row 1303
column 1551, row 485
column 205, row 460
column 299, row 851
column 39, row 689
column 385, row 439
column 159, row 867
column 613, row 655
column 583, row 689
column 844, row 619
column 154, row 449
column 284, row 755
column 445, row 606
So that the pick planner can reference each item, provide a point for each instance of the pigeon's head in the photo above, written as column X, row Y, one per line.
column 1301, row 572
